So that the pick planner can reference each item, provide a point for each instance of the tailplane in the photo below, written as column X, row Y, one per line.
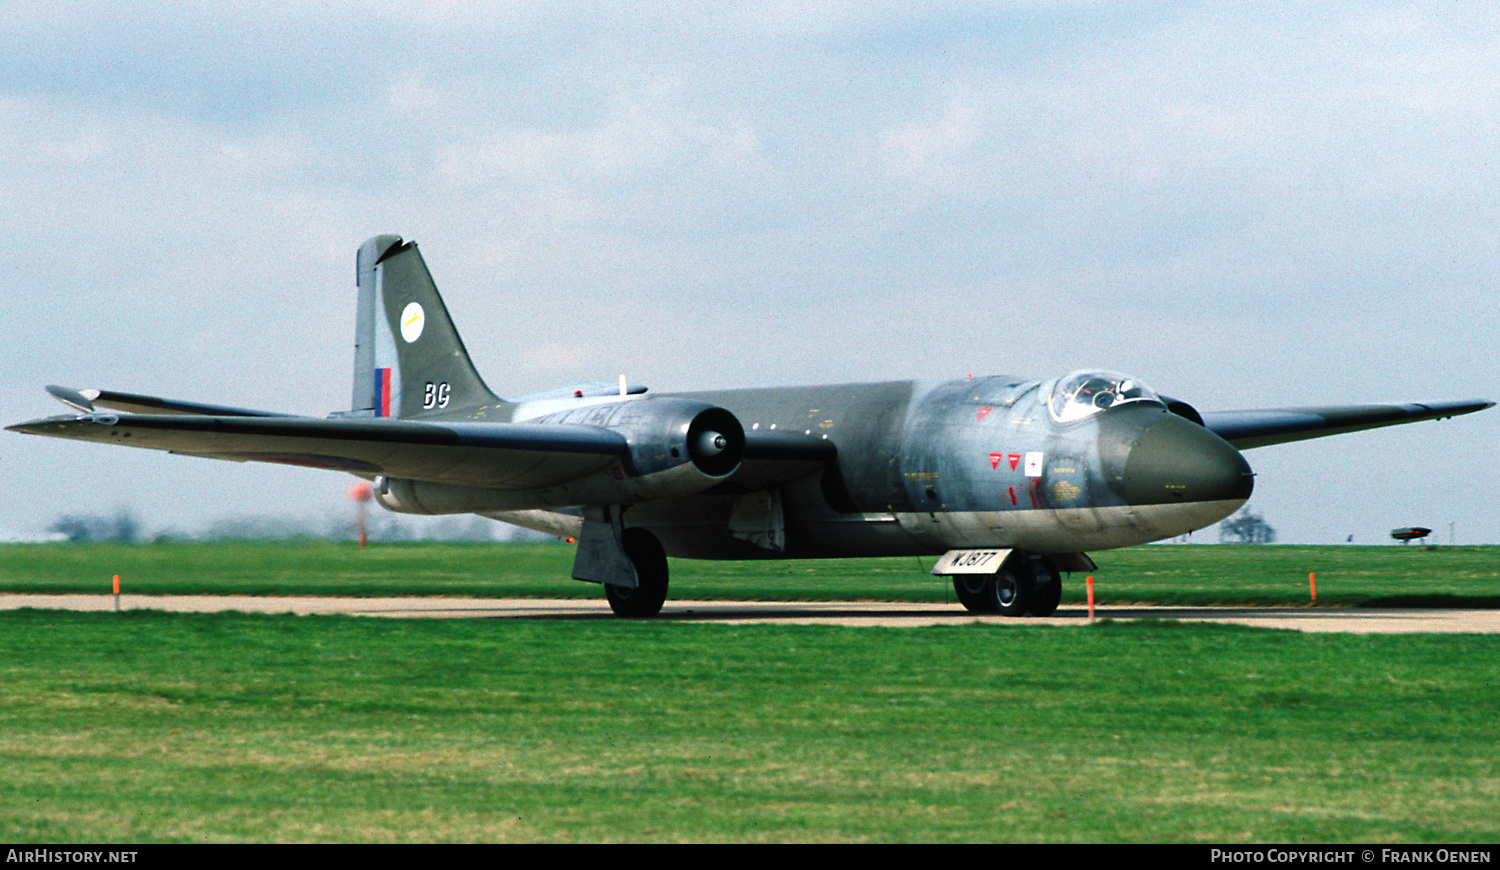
column 408, row 358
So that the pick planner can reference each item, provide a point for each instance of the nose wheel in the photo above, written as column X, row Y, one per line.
column 976, row 592
column 1012, row 587
column 1021, row 586
column 1046, row 589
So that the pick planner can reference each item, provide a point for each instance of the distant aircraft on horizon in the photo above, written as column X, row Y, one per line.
column 1012, row 480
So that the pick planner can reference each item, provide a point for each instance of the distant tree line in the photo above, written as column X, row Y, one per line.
column 1246, row 527
column 123, row 527
column 94, row 527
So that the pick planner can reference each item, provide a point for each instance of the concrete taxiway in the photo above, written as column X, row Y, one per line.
column 857, row 613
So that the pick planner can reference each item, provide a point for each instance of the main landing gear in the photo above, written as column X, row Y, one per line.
column 1022, row 585
column 650, row 561
column 631, row 563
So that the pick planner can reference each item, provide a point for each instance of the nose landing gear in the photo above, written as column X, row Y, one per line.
column 1024, row 584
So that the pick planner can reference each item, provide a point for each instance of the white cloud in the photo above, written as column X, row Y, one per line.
column 917, row 149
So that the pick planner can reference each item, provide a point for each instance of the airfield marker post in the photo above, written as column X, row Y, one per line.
column 1089, row 581
column 1312, row 584
column 117, row 593
column 361, row 493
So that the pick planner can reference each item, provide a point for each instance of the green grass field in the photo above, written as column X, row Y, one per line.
column 149, row 727
column 152, row 727
column 1193, row 575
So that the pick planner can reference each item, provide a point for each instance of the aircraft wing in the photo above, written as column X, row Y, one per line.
column 502, row 456
column 496, row 455
column 1247, row 429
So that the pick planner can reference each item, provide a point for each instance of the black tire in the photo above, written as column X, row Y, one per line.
column 650, row 560
column 1012, row 588
column 1046, row 592
column 975, row 592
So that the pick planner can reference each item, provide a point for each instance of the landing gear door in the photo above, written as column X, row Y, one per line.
column 971, row 562
column 601, row 554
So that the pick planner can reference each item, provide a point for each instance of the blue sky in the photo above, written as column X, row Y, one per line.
column 1246, row 206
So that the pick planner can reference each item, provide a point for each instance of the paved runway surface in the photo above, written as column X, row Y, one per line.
column 823, row 612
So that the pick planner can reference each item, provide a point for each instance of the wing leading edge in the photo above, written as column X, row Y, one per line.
column 1248, row 429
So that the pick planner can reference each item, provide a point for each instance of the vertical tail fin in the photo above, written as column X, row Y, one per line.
column 408, row 358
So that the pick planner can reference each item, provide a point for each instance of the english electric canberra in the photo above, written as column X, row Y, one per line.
column 1012, row 480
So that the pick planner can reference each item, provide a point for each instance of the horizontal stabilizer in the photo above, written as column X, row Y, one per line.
column 80, row 399
column 1247, row 429
column 88, row 400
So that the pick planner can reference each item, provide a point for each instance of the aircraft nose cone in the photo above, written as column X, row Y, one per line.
column 1174, row 460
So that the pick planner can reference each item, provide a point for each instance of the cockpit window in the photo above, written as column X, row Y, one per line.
column 1083, row 393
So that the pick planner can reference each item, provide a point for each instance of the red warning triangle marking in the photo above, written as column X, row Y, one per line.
column 1014, row 459
column 995, row 460
column 983, row 412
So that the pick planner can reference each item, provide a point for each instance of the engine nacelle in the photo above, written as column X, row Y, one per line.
column 665, row 433
column 675, row 447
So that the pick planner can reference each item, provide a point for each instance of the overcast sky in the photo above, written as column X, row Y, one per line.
column 1245, row 205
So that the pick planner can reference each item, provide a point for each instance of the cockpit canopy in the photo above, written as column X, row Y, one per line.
column 1084, row 393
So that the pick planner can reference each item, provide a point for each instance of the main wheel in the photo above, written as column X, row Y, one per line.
column 975, row 592
column 650, row 560
column 1046, row 593
column 1012, row 588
